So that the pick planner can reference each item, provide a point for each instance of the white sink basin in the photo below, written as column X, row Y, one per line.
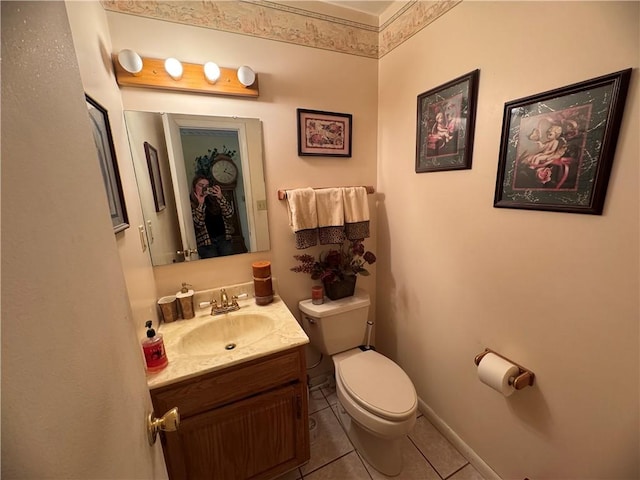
column 225, row 333
column 207, row 343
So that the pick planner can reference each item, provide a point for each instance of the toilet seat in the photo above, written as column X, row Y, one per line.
column 378, row 385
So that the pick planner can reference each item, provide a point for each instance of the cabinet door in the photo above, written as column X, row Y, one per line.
column 256, row 438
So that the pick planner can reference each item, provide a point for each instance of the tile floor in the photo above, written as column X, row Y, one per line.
column 427, row 454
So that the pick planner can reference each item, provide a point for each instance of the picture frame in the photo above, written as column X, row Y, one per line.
column 445, row 125
column 326, row 134
column 156, row 177
column 557, row 147
column 103, row 139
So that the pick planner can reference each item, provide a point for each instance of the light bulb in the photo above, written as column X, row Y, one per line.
column 246, row 76
column 130, row 61
column 211, row 72
column 173, row 68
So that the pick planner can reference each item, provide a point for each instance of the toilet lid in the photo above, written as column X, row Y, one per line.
column 378, row 385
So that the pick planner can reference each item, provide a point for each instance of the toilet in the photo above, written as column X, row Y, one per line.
column 377, row 400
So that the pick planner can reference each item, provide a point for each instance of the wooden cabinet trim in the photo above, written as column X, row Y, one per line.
column 218, row 388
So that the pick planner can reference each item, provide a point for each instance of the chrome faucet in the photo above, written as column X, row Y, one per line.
column 224, row 306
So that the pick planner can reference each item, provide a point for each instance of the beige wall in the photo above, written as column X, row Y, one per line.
column 93, row 48
column 290, row 77
column 556, row 292
column 74, row 394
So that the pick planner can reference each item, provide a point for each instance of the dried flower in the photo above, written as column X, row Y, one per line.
column 334, row 265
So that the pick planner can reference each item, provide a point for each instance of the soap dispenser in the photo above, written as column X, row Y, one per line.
column 153, row 348
column 185, row 299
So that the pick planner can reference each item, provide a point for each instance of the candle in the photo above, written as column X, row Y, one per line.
column 262, row 282
column 317, row 295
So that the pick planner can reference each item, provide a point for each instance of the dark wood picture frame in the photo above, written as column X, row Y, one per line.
column 557, row 147
column 325, row 134
column 156, row 177
column 101, row 128
column 446, row 118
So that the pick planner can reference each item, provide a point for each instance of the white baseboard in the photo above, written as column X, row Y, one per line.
column 466, row 451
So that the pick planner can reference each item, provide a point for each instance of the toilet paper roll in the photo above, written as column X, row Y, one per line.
column 495, row 371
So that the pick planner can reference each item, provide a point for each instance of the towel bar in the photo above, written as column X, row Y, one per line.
column 282, row 194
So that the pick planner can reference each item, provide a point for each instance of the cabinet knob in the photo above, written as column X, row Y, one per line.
column 169, row 422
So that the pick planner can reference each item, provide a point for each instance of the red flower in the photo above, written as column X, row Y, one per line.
column 369, row 257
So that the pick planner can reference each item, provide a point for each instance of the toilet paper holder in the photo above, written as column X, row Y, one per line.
column 524, row 378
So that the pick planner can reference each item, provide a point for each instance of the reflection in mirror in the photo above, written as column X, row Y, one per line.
column 210, row 172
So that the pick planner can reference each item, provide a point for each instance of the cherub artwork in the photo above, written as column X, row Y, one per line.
column 550, row 149
column 557, row 147
column 445, row 125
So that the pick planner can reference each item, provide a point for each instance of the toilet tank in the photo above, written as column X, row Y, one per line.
column 336, row 325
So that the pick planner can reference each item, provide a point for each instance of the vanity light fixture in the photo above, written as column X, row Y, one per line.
column 188, row 77
column 174, row 68
column 130, row 61
column 246, row 76
column 211, row 72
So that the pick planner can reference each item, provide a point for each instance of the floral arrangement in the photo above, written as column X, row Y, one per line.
column 334, row 265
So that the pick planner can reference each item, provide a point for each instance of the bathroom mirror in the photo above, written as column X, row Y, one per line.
column 169, row 151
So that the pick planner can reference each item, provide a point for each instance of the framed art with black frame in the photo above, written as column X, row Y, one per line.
column 445, row 125
column 156, row 178
column 108, row 164
column 325, row 134
column 557, row 147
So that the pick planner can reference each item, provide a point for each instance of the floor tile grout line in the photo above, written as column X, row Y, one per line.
column 364, row 464
column 425, row 457
column 327, row 464
column 453, row 473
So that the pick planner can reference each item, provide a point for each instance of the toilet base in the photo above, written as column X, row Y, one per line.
column 385, row 455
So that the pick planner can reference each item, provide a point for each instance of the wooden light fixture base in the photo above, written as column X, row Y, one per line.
column 153, row 75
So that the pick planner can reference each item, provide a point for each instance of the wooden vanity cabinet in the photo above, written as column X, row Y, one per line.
column 248, row 421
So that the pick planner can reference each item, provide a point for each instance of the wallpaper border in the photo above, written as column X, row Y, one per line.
column 289, row 24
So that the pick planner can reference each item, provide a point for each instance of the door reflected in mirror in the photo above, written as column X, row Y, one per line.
column 212, row 177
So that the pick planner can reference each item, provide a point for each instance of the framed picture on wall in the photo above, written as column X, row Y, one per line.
column 108, row 164
column 325, row 134
column 557, row 147
column 445, row 125
column 155, row 176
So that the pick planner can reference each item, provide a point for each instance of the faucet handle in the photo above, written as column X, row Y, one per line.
column 214, row 305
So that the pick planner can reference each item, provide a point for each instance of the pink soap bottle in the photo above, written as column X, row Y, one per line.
column 153, row 348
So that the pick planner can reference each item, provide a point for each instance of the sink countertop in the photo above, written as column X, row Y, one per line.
column 287, row 333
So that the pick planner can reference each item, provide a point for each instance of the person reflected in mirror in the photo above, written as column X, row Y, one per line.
column 211, row 219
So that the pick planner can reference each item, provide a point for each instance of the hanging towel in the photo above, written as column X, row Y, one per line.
column 356, row 212
column 330, row 208
column 303, row 218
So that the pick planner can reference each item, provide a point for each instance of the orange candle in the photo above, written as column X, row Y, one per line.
column 262, row 284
